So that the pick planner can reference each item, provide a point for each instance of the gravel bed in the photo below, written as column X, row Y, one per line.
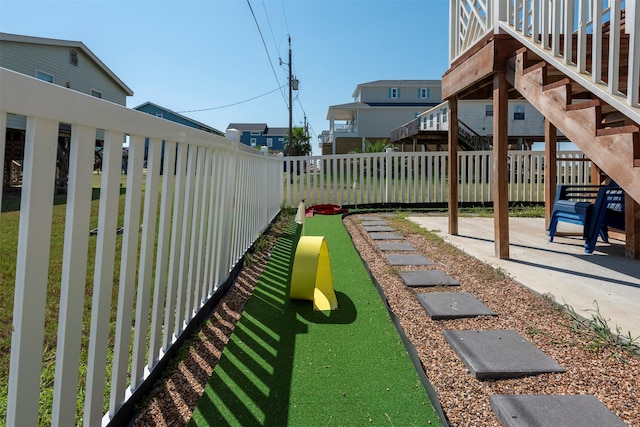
column 610, row 373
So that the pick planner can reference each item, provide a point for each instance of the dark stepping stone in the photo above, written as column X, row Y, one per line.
column 386, row 236
column 408, row 259
column 391, row 246
column 453, row 305
column 378, row 228
column 372, row 218
column 532, row 410
column 499, row 354
column 373, row 223
column 423, row 278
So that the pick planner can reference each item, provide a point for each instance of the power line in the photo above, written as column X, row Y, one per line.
column 231, row 105
column 285, row 17
column 267, row 51
column 264, row 6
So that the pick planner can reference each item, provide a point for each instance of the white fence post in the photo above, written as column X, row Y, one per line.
column 74, row 275
column 103, row 277
column 388, row 177
column 32, row 267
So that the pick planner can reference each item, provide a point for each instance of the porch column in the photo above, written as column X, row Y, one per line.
column 550, row 169
column 453, row 165
column 500, row 174
column 332, row 132
column 632, row 228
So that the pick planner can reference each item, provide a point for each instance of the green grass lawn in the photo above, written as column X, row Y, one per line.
column 9, row 227
column 287, row 364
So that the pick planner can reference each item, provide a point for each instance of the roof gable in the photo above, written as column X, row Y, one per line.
column 67, row 43
column 248, row 127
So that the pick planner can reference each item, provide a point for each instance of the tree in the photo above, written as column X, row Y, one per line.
column 299, row 145
column 379, row 146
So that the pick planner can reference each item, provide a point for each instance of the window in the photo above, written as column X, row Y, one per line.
column 280, row 139
column 253, row 141
column 41, row 75
column 160, row 115
column 73, row 57
column 518, row 112
column 444, row 115
column 424, row 92
column 96, row 93
column 394, row 93
column 269, row 142
column 430, row 120
column 256, row 133
column 488, row 110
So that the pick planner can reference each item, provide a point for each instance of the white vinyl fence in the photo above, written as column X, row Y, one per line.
column 183, row 231
column 421, row 177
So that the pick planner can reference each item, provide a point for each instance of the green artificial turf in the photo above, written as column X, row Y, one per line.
column 286, row 364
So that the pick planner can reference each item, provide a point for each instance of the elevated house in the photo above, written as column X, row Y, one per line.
column 261, row 135
column 429, row 131
column 65, row 63
column 577, row 63
column 167, row 114
column 378, row 107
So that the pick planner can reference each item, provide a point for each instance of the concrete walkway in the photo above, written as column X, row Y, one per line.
column 560, row 268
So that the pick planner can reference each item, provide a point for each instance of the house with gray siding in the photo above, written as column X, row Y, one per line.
column 525, row 125
column 377, row 108
column 65, row 63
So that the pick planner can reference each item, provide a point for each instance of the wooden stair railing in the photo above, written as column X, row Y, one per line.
column 615, row 149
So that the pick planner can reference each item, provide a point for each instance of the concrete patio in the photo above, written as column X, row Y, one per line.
column 560, row 268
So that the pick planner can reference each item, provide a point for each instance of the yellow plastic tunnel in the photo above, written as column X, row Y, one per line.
column 311, row 278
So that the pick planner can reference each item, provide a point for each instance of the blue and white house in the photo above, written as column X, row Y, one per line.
column 261, row 135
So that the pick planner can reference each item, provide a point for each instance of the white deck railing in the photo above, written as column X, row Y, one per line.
column 422, row 177
column 183, row 232
column 566, row 33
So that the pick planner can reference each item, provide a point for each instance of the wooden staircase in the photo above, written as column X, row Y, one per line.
column 610, row 140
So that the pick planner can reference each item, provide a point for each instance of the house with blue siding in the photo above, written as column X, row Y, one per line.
column 65, row 63
column 259, row 135
column 165, row 113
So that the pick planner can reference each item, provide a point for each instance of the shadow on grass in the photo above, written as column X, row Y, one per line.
column 251, row 384
column 11, row 198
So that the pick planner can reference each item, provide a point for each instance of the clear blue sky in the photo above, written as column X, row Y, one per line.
column 200, row 55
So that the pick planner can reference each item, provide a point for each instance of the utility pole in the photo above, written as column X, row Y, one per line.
column 290, row 101
column 306, row 126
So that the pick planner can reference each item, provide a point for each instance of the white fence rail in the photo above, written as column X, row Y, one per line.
column 422, row 177
column 183, row 231
column 569, row 34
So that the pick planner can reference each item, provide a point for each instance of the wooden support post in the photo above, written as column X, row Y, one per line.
column 500, row 173
column 632, row 228
column 550, row 169
column 453, row 165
